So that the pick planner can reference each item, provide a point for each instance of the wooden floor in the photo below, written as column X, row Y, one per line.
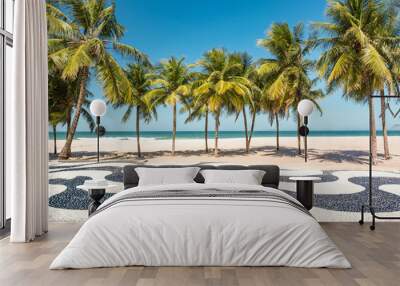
column 375, row 257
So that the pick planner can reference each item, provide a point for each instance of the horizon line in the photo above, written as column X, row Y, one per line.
column 272, row 130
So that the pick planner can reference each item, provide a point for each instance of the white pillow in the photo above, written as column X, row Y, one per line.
column 166, row 176
column 248, row 177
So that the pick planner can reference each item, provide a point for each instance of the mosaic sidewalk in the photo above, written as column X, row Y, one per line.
column 338, row 196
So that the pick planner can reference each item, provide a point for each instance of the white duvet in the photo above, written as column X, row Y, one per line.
column 206, row 231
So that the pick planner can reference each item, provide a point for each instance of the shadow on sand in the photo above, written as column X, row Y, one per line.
column 339, row 156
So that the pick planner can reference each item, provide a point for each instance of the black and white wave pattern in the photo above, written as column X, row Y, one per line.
column 73, row 198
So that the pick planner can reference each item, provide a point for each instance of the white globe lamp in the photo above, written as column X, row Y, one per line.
column 305, row 107
column 98, row 107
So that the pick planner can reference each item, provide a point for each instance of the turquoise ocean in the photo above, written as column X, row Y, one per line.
column 163, row 135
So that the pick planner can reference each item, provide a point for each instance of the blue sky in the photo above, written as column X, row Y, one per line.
column 188, row 28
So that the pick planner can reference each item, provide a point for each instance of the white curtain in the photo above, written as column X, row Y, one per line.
column 27, row 123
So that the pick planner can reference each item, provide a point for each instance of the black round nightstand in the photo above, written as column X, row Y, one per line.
column 96, row 195
column 305, row 190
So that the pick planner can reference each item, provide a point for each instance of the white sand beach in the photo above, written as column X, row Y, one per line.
column 325, row 153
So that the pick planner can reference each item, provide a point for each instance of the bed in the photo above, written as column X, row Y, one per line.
column 201, row 224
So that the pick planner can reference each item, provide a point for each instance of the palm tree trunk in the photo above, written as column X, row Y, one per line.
column 298, row 134
column 206, row 130
column 139, row 153
column 68, row 122
column 372, row 127
column 174, row 129
column 277, row 131
column 216, row 134
column 384, row 127
column 253, row 121
column 66, row 150
column 245, row 129
column 55, row 138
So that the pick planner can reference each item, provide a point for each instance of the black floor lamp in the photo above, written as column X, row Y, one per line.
column 98, row 108
column 370, row 205
column 305, row 108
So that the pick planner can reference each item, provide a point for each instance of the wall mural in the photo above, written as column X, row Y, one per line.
column 185, row 99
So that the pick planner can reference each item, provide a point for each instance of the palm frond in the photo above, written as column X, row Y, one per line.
column 78, row 58
column 127, row 50
column 116, row 86
column 127, row 114
column 88, row 118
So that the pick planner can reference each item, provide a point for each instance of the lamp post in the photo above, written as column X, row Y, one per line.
column 305, row 108
column 98, row 108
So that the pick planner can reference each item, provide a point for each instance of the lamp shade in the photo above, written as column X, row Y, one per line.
column 305, row 107
column 98, row 107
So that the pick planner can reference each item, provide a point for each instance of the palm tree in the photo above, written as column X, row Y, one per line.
column 57, row 88
column 55, row 118
column 171, row 87
column 354, row 56
column 79, row 43
column 62, row 99
column 197, row 112
column 140, row 76
column 386, row 152
column 252, row 99
column 275, row 111
column 391, row 54
column 222, row 86
column 287, row 72
column 256, row 102
column 255, row 99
